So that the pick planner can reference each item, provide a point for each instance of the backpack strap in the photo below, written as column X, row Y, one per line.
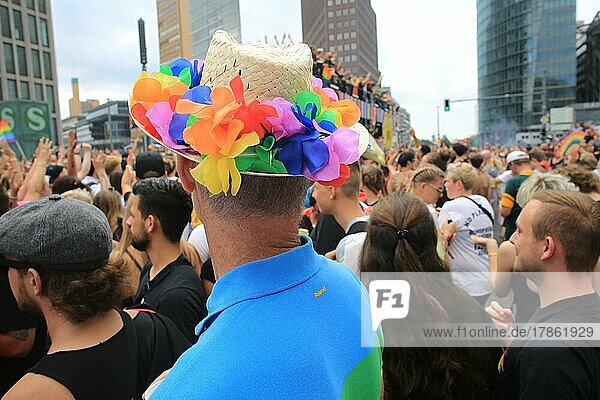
column 132, row 342
column 357, row 227
column 486, row 212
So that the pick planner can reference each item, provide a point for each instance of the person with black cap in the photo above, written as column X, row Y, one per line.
column 67, row 275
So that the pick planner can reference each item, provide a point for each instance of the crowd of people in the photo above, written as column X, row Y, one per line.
column 127, row 276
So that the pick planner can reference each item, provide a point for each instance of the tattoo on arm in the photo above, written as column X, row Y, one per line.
column 20, row 335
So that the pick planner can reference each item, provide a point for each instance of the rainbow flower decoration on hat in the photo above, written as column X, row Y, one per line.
column 254, row 123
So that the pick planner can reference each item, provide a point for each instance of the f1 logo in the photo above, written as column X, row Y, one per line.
column 389, row 299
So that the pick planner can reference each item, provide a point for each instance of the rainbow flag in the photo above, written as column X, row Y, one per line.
column 6, row 132
column 570, row 143
column 327, row 72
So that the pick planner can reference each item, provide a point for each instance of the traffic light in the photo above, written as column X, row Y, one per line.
column 446, row 104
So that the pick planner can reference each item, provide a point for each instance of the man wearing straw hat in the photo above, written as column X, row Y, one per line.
column 252, row 128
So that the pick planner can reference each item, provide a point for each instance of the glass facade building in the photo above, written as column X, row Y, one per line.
column 526, row 64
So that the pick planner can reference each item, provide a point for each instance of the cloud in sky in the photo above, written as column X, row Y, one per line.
column 427, row 50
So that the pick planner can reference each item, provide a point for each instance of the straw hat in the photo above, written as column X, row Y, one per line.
column 268, row 71
column 283, row 122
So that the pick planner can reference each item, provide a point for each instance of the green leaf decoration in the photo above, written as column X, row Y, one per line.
column 191, row 120
column 305, row 98
column 261, row 158
column 165, row 69
column 327, row 115
column 186, row 76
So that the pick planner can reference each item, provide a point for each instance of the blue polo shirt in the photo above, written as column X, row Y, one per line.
column 285, row 327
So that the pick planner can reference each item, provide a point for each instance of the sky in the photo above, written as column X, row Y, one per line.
column 427, row 50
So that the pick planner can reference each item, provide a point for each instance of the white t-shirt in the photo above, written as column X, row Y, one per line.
column 93, row 184
column 469, row 262
column 349, row 248
column 198, row 239
column 434, row 214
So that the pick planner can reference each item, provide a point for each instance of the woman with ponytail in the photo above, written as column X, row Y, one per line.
column 401, row 237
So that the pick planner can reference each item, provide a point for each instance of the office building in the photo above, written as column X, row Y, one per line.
column 27, row 59
column 105, row 126
column 77, row 106
column 345, row 27
column 588, row 62
column 526, row 64
column 185, row 27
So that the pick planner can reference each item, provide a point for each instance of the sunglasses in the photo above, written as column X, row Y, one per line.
column 439, row 190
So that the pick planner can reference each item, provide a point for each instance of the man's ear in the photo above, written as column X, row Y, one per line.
column 34, row 281
column 333, row 192
column 183, row 170
column 549, row 248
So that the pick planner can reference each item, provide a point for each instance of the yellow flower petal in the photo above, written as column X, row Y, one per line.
column 245, row 141
column 206, row 174
column 223, row 173
column 165, row 80
column 236, row 178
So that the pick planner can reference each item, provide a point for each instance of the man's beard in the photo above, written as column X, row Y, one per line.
column 142, row 243
column 24, row 302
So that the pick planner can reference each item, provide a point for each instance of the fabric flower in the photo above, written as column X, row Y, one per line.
column 342, row 147
column 211, row 131
column 253, row 115
column 218, row 172
column 285, row 123
column 261, row 158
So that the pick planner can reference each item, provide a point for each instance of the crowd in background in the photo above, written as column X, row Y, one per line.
column 452, row 208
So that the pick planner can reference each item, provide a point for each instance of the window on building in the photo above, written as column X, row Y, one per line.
column 9, row 60
column 44, row 29
column 24, row 91
column 330, row 25
column 18, row 24
column 30, row 4
column 352, row 22
column 345, row 12
column 22, row 59
column 353, row 46
column 339, row 36
column 47, row 66
column 339, row 24
column 39, row 92
column 11, row 89
column 353, row 57
column 352, row 11
column 346, row 35
column 346, row 47
column 17, row 2
column 329, row 3
column 344, row 1
column 35, row 63
column 340, row 47
column 338, row 2
column 331, row 38
column 33, row 35
column 5, row 22
column 42, row 6
column 330, row 14
column 346, row 24
column 353, row 34
column 338, row 13
column 50, row 97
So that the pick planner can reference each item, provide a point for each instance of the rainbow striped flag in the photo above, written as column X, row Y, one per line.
column 327, row 72
column 6, row 132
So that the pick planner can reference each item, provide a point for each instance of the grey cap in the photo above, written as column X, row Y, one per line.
column 55, row 234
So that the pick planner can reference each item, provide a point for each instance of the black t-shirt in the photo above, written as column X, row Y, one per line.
column 327, row 234
column 176, row 292
column 12, row 319
column 534, row 372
